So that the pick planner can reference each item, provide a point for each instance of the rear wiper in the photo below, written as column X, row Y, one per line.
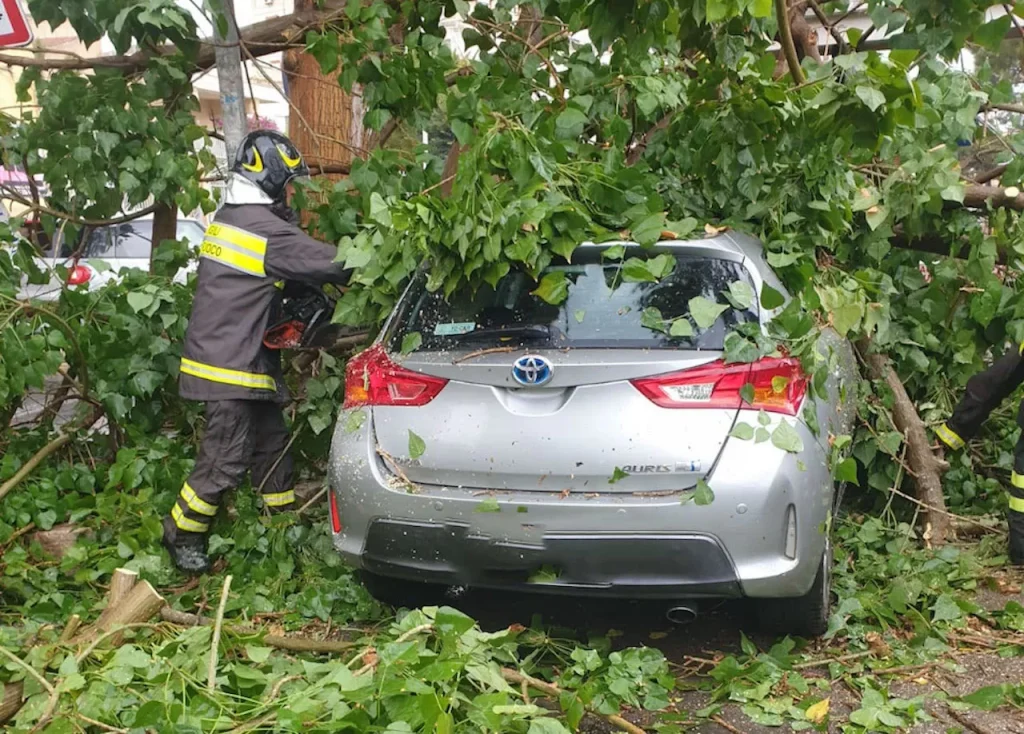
column 512, row 331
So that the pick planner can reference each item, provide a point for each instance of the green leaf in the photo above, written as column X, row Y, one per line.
column 741, row 294
column 763, row 418
column 648, row 230
column 705, row 312
column 870, row 96
column 379, row 210
column 488, row 505
column 702, row 494
column 991, row 34
column 681, row 327
column 578, row 314
column 139, row 301
column 786, row 438
column 553, row 288
column 547, row 725
column 257, row 653
column 569, row 123
column 355, row 421
column 946, row 609
column 761, row 8
column 742, row 431
column 845, row 318
column 651, row 318
column 846, row 471
column 747, row 393
column 771, row 298
column 989, row 697
column 615, row 252
column 617, row 475
column 876, row 215
column 416, row 446
column 411, row 342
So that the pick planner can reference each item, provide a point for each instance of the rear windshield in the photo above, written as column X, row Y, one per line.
column 601, row 310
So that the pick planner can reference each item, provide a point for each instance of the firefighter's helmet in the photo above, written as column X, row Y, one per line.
column 269, row 160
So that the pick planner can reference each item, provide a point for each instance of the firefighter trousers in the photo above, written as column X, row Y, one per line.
column 241, row 436
column 985, row 391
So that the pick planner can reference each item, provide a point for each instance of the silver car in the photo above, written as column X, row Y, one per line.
column 570, row 449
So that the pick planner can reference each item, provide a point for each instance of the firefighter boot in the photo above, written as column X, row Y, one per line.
column 187, row 550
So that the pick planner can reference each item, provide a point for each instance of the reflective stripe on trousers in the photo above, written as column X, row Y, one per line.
column 1016, row 493
column 226, row 376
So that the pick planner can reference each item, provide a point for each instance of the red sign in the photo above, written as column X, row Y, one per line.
column 14, row 29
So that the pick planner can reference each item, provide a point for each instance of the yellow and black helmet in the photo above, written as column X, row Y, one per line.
column 269, row 160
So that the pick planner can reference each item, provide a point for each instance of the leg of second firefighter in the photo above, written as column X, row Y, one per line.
column 272, row 462
column 1015, row 512
column 224, row 456
column 985, row 391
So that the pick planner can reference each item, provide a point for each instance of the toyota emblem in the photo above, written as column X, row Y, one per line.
column 532, row 370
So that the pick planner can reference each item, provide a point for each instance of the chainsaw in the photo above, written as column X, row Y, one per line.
column 301, row 319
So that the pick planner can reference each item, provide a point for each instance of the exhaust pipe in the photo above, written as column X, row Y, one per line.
column 682, row 614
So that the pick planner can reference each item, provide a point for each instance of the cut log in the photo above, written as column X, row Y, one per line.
column 121, row 583
column 926, row 466
column 140, row 604
column 11, row 701
column 58, row 540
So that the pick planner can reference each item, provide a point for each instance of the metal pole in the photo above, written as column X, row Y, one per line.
column 229, row 78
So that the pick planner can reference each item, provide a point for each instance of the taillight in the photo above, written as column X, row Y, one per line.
column 779, row 386
column 335, row 517
column 371, row 378
column 79, row 275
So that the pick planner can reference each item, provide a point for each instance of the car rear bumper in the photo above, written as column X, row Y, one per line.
column 599, row 544
column 630, row 565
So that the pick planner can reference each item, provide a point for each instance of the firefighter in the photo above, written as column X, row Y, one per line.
column 248, row 253
column 985, row 391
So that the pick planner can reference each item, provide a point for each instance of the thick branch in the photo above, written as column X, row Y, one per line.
column 265, row 37
column 786, row 39
column 1009, row 197
column 925, row 465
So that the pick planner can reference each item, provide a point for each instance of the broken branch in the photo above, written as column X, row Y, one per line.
column 211, row 677
column 786, row 39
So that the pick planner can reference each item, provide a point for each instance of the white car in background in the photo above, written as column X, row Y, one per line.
column 106, row 252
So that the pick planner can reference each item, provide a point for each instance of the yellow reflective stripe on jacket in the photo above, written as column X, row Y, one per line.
column 186, row 523
column 233, row 256
column 949, row 437
column 227, row 377
column 233, row 235
column 1016, row 503
column 281, row 498
column 1017, row 480
column 236, row 248
column 197, row 503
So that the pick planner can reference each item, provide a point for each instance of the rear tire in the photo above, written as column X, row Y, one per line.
column 401, row 593
column 805, row 616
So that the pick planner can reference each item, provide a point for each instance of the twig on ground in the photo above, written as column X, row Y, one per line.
column 309, row 504
column 74, row 621
column 828, row 661
column 726, row 725
column 99, row 724
column 211, row 673
column 117, row 629
column 51, row 702
column 514, row 676
column 966, row 722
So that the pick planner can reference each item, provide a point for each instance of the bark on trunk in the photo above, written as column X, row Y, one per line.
column 923, row 463
column 139, row 604
column 165, row 227
column 325, row 123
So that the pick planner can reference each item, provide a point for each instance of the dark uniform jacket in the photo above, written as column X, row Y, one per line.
column 246, row 254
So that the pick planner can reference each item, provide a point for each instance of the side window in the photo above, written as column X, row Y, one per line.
column 98, row 244
column 133, row 240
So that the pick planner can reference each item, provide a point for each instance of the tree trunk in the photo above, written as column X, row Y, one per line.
column 325, row 123
column 925, row 466
column 165, row 227
column 11, row 700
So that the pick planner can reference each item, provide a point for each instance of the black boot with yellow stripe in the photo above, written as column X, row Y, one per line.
column 187, row 550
